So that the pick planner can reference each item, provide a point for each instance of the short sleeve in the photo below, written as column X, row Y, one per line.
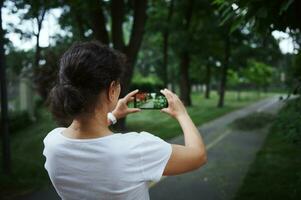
column 154, row 155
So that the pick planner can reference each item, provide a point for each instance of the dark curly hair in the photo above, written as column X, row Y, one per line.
column 85, row 70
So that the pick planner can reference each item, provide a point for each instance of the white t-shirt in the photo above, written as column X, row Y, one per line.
column 117, row 166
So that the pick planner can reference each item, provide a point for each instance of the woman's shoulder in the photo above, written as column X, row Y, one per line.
column 55, row 136
column 52, row 134
column 141, row 139
column 138, row 135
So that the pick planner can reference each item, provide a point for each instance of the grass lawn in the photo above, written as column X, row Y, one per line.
column 275, row 174
column 26, row 145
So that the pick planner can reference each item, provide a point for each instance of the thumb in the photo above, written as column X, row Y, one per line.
column 165, row 110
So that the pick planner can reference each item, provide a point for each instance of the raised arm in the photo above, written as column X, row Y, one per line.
column 192, row 155
column 122, row 108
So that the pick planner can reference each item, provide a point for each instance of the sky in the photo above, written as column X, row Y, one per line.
column 51, row 27
column 285, row 42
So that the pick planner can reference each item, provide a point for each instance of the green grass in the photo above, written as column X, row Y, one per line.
column 276, row 172
column 27, row 160
column 28, row 172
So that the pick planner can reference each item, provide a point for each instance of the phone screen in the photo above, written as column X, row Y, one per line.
column 145, row 100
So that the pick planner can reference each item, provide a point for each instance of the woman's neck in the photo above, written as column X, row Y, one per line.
column 88, row 127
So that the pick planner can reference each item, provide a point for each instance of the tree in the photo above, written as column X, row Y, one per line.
column 100, row 16
column 184, row 56
column 36, row 11
column 265, row 15
column 258, row 74
column 234, row 81
column 225, row 66
column 206, row 46
column 4, row 103
column 100, row 32
column 166, row 34
column 157, row 44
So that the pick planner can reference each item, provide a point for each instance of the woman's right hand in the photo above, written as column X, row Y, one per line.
column 175, row 106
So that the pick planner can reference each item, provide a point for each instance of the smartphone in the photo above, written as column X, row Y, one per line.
column 152, row 100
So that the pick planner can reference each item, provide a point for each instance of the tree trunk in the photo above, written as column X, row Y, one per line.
column 165, row 59
column 184, row 79
column 132, row 49
column 80, row 25
column 4, row 104
column 117, row 12
column 40, row 19
column 224, row 72
column 38, row 51
column 208, row 81
column 185, row 61
column 98, row 21
column 165, row 44
column 238, row 93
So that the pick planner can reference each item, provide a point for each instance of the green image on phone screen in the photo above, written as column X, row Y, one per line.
column 153, row 100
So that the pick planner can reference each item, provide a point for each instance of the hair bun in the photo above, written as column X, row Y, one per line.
column 86, row 70
column 66, row 100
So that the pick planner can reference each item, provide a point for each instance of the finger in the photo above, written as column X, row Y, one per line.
column 131, row 99
column 168, row 97
column 129, row 95
column 171, row 98
column 134, row 110
column 165, row 110
column 170, row 92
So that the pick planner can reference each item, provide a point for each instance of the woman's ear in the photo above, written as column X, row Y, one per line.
column 113, row 91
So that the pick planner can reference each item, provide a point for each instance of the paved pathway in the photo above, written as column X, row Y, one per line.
column 229, row 154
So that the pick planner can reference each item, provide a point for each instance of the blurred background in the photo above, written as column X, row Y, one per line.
column 219, row 56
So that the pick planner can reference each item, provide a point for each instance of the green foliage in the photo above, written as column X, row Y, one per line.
column 258, row 73
column 234, row 78
column 28, row 173
column 19, row 60
column 296, row 68
column 18, row 121
column 288, row 122
column 146, row 83
column 265, row 15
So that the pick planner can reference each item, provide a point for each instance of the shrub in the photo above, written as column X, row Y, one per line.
column 18, row 121
column 253, row 121
column 288, row 121
column 146, row 83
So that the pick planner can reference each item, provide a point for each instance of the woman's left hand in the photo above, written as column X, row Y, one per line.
column 122, row 108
